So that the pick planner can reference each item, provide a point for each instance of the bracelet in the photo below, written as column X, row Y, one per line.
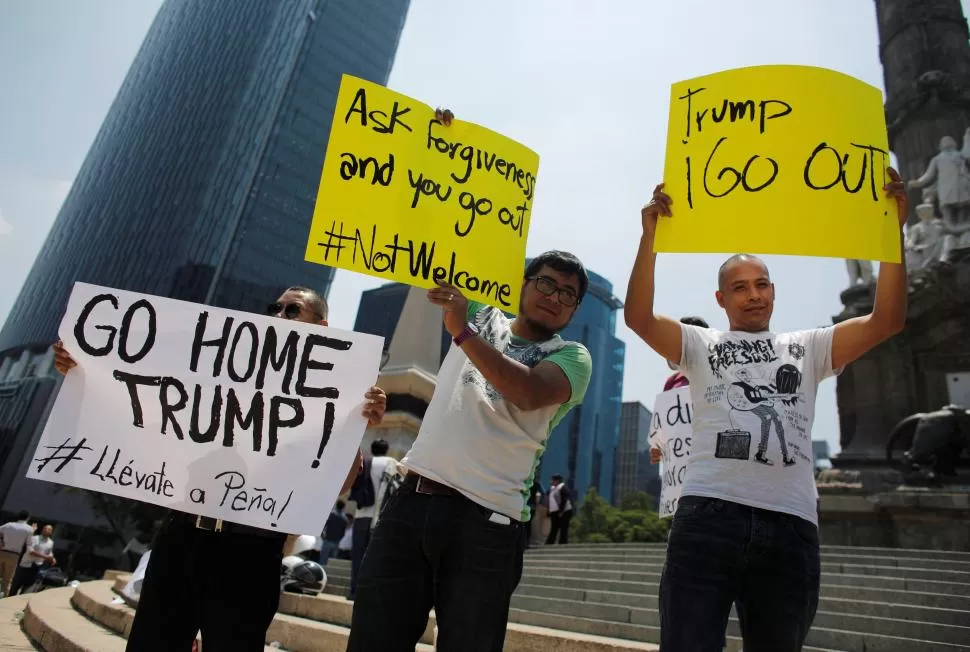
column 469, row 331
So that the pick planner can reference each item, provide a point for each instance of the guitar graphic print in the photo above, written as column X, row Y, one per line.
column 745, row 397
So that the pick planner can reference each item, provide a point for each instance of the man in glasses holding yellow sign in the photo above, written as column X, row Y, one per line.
column 745, row 530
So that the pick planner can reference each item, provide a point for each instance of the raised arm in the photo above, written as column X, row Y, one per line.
column 854, row 337
column 661, row 333
column 528, row 388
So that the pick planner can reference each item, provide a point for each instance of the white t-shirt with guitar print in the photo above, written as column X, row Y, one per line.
column 753, row 396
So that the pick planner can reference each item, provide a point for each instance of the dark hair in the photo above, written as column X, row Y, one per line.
column 340, row 505
column 23, row 515
column 316, row 302
column 378, row 448
column 557, row 477
column 561, row 261
column 694, row 321
column 736, row 258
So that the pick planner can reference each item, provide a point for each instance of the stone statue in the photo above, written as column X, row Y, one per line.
column 937, row 441
column 924, row 240
column 860, row 271
column 949, row 171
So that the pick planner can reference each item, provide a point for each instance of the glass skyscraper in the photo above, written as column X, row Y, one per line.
column 201, row 182
column 633, row 470
column 380, row 310
column 199, row 186
column 582, row 447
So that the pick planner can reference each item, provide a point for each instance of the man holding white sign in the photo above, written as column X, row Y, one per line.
column 206, row 573
column 746, row 525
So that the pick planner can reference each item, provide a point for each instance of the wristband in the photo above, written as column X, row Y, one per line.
column 469, row 331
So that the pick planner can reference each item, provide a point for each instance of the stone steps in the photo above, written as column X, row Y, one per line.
column 830, row 563
column 12, row 635
column 588, row 550
column 53, row 623
column 887, row 604
column 97, row 601
column 313, row 624
column 575, row 599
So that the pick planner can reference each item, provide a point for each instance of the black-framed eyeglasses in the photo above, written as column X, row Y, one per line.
column 289, row 310
column 548, row 287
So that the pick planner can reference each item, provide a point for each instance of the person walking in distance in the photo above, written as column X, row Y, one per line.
column 560, row 511
column 451, row 537
column 14, row 536
column 368, row 492
column 40, row 551
column 333, row 532
column 215, row 576
column 745, row 529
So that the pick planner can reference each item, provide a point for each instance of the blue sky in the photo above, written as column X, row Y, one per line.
column 584, row 84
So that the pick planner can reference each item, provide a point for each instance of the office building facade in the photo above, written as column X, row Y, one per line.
column 380, row 309
column 200, row 184
column 633, row 470
column 582, row 448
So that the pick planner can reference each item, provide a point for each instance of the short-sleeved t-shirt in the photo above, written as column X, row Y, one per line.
column 753, row 396
column 43, row 545
column 472, row 439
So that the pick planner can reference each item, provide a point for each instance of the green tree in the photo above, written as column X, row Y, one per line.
column 597, row 521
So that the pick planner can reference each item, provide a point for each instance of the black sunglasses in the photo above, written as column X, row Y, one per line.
column 548, row 287
column 289, row 310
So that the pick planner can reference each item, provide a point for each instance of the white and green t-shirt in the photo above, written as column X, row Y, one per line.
column 476, row 442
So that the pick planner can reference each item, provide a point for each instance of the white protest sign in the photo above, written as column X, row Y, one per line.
column 671, row 431
column 215, row 412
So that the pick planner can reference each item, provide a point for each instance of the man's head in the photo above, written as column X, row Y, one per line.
column 340, row 506
column 694, row 321
column 300, row 304
column 556, row 480
column 47, row 531
column 378, row 448
column 555, row 283
column 23, row 515
column 746, row 293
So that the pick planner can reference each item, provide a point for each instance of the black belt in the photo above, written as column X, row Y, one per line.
column 422, row 485
column 208, row 524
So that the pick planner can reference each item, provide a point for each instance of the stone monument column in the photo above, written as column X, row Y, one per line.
column 925, row 53
column 926, row 70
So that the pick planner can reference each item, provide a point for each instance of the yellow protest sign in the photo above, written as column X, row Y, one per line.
column 405, row 198
column 778, row 160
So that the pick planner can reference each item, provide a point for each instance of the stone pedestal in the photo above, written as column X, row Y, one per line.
column 906, row 374
column 904, row 518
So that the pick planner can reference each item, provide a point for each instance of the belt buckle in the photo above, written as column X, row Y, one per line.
column 201, row 523
column 419, row 490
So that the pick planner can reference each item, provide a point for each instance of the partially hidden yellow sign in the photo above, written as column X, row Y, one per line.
column 406, row 198
column 778, row 160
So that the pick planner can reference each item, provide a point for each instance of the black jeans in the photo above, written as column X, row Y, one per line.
column 225, row 584
column 436, row 551
column 24, row 578
column 719, row 553
column 361, row 539
column 560, row 526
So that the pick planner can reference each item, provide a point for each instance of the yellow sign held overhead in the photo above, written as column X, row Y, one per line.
column 778, row 160
column 405, row 198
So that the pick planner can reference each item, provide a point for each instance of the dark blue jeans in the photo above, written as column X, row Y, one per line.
column 719, row 553
column 436, row 551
